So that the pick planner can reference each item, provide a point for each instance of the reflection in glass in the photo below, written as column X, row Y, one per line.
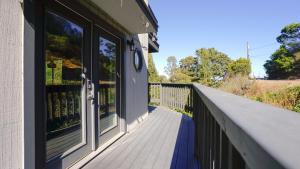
column 107, row 82
column 64, row 44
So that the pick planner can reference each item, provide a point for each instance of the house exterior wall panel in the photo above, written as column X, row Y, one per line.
column 136, row 84
column 11, row 80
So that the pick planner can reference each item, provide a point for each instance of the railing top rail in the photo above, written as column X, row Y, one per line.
column 266, row 136
column 172, row 84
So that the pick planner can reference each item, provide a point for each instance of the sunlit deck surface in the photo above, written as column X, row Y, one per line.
column 165, row 140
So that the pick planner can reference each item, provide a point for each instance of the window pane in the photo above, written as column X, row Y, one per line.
column 64, row 46
column 107, row 65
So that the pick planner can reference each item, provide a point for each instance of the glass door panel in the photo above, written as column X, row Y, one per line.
column 107, row 79
column 64, row 84
column 107, row 84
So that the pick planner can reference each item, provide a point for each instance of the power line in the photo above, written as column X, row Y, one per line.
column 264, row 46
column 259, row 55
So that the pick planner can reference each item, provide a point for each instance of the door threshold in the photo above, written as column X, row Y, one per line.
column 95, row 153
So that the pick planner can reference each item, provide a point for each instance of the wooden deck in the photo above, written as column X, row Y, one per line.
column 164, row 141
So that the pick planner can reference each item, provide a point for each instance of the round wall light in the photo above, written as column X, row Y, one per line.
column 138, row 60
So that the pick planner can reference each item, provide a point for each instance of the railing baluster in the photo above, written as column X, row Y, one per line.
column 175, row 94
column 177, row 97
column 237, row 160
column 217, row 145
column 225, row 151
column 206, row 154
column 50, row 106
column 172, row 96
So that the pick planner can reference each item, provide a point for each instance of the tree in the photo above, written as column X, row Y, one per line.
column 179, row 77
column 171, row 67
column 290, row 37
column 175, row 73
column 280, row 64
column 163, row 79
column 241, row 66
column 213, row 66
column 284, row 62
column 152, row 72
column 189, row 66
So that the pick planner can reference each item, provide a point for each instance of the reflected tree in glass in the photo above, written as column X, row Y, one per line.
column 107, row 69
column 63, row 64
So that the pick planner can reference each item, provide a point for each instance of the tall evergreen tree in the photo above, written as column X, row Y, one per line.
column 172, row 66
column 152, row 72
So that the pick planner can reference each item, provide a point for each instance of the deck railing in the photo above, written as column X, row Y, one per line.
column 232, row 132
column 175, row 96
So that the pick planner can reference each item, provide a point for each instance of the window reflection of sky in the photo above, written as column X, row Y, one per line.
column 107, row 48
column 69, row 27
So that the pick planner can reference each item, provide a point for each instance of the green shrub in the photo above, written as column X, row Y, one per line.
column 184, row 112
column 288, row 98
column 153, row 104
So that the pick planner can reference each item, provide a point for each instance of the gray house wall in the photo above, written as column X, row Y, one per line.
column 136, row 85
column 11, row 80
column 17, row 85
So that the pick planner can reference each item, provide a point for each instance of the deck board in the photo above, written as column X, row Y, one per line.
column 163, row 141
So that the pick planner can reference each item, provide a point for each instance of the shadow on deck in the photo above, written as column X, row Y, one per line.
column 164, row 141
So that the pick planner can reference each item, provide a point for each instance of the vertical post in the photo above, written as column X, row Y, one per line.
column 206, row 142
column 196, row 122
column 230, row 159
column 220, row 148
column 160, row 94
column 149, row 93
column 224, row 151
column 237, row 159
column 248, row 56
column 217, row 144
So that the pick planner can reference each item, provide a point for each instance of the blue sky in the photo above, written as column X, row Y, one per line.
column 187, row 25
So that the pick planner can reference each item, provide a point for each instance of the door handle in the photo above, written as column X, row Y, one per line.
column 90, row 96
column 83, row 76
column 90, row 87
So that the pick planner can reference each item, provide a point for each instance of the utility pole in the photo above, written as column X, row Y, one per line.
column 248, row 48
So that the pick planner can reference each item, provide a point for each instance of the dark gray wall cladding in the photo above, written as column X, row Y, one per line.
column 136, row 84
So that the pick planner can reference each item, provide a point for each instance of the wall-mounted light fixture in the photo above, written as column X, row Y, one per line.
column 131, row 44
column 138, row 60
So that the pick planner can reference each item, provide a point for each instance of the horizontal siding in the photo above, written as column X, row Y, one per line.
column 11, row 84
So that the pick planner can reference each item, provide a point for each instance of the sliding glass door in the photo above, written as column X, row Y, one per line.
column 81, row 86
